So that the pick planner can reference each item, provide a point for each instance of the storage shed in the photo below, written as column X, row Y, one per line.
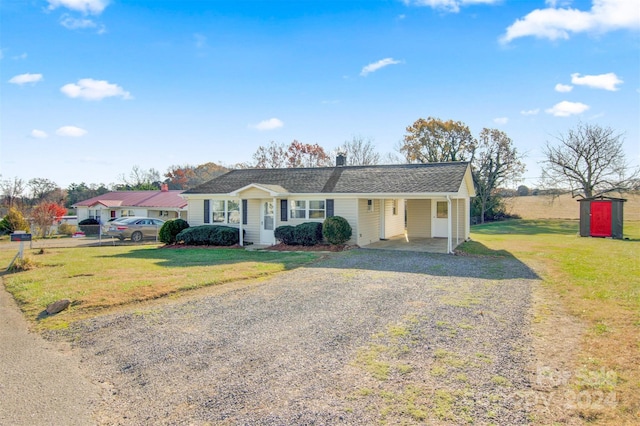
column 601, row 217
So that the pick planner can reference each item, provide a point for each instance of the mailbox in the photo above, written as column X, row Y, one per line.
column 20, row 237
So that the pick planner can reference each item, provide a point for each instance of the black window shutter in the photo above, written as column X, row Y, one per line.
column 283, row 210
column 206, row 211
column 244, row 212
column 330, row 208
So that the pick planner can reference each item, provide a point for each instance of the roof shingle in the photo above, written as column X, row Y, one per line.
column 398, row 178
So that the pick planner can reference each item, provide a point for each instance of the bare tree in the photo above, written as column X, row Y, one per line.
column 140, row 179
column 360, row 152
column 43, row 189
column 12, row 191
column 589, row 160
column 273, row 156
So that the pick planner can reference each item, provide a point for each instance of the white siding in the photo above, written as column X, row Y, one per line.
column 82, row 213
column 463, row 191
column 255, row 193
column 393, row 224
column 369, row 222
column 195, row 214
column 419, row 218
column 348, row 209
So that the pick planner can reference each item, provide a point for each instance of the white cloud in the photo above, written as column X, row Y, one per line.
column 26, row 78
column 530, row 111
column 607, row 81
column 72, row 23
column 558, row 23
column 94, row 90
column 92, row 7
column 71, row 131
column 39, row 134
column 448, row 5
column 501, row 120
column 566, row 109
column 270, row 124
column 377, row 65
column 563, row 88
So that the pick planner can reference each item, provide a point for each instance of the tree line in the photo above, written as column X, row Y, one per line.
column 586, row 161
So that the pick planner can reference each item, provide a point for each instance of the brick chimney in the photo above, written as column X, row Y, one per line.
column 164, row 187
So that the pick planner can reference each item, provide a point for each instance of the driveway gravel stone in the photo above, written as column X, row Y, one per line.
column 360, row 337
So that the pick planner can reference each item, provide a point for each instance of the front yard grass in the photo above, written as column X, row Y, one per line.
column 97, row 279
column 597, row 280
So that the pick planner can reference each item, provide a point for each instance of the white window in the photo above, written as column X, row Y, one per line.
column 316, row 209
column 225, row 211
column 308, row 209
column 298, row 209
column 127, row 213
column 233, row 211
column 217, row 211
column 442, row 210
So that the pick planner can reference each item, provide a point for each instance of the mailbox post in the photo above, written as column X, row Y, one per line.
column 20, row 236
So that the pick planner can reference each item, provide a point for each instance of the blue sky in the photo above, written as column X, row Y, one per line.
column 90, row 88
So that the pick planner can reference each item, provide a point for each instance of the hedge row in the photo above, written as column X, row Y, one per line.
column 209, row 235
column 305, row 234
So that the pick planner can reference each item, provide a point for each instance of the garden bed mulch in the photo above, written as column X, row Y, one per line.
column 317, row 247
column 276, row 247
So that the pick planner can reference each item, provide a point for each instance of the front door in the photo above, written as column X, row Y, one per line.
column 600, row 218
column 439, row 219
column 267, row 223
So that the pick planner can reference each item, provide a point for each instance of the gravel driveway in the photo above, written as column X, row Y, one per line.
column 358, row 338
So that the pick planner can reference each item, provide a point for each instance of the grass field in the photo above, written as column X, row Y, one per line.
column 563, row 207
column 97, row 279
column 598, row 281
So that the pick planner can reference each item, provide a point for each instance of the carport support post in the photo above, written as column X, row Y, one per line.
column 241, row 216
column 449, row 244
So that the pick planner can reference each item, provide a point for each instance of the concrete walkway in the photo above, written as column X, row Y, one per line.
column 403, row 243
column 39, row 383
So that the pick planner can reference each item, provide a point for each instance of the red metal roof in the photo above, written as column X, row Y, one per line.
column 165, row 199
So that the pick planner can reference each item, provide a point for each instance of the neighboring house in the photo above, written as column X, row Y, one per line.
column 423, row 200
column 163, row 204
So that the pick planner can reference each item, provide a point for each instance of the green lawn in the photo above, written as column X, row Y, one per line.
column 597, row 280
column 99, row 278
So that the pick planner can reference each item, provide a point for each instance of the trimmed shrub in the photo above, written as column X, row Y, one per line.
column 89, row 226
column 336, row 230
column 308, row 233
column 66, row 229
column 170, row 229
column 209, row 235
column 286, row 234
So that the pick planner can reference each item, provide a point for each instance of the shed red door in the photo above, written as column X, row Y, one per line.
column 600, row 218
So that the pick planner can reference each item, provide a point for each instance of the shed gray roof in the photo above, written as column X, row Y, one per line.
column 398, row 178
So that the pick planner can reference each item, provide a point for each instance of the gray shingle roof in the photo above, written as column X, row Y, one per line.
column 400, row 178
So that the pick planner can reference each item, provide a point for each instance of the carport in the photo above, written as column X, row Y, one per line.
column 435, row 224
column 418, row 244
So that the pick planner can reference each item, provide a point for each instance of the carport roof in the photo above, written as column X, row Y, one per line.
column 397, row 178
